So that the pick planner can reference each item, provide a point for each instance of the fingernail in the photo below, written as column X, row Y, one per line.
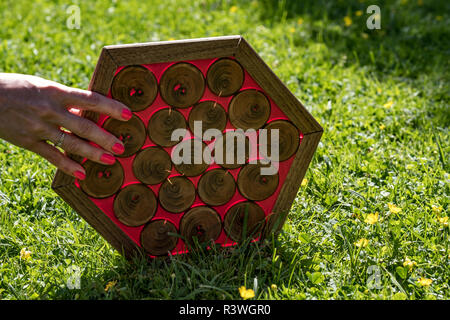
column 107, row 158
column 126, row 114
column 118, row 148
column 79, row 175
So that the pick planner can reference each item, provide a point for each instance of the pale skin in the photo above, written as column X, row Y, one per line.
column 33, row 110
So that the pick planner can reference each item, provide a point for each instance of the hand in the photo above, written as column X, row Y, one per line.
column 34, row 109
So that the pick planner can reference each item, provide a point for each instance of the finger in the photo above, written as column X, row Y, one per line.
column 75, row 145
column 89, row 100
column 87, row 129
column 58, row 159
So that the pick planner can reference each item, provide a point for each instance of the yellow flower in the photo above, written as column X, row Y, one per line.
column 358, row 13
column 424, row 282
column 304, row 182
column 274, row 287
column 365, row 35
column 439, row 18
column 233, row 9
column 363, row 242
column 300, row 21
column 444, row 221
column 436, row 209
column 379, row 91
column 25, row 254
column 393, row 208
column 347, row 21
column 408, row 263
column 420, row 2
column 246, row 293
column 382, row 127
column 388, row 105
column 371, row 218
column 292, row 30
column 109, row 285
column 171, row 39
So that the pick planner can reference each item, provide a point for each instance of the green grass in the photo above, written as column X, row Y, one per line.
column 370, row 154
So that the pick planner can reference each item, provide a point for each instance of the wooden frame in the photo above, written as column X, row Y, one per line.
column 112, row 57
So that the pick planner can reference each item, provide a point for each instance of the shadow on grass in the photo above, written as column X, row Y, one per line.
column 413, row 38
column 412, row 45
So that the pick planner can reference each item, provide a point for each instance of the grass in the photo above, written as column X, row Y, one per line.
column 382, row 97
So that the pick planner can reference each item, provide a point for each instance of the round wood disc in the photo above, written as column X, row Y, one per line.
column 135, row 205
column 102, row 180
column 234, row 145
column 177, row 194
column 195, row 164
column 156, row 238
column 216, row 187
column 202, row 223
column 225, row 77
column 289, row 138
column 135, row 86
column 152, row 165
column 182, row 85
column 244, row 218
column 162, row 124
column 131, row 133
column 249, row 109
column 255, row 186
column 211, row 114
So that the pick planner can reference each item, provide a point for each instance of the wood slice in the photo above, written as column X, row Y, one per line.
column 135, row 86
column 225, row 77
column 231, row 144
column 211, row 114
column 177, row 194
column 202, row 223
column 182, row 85
column 102, row 180
column 156, row 238
column 244, row 219
column 255, row 186
column 216, row 187
column 289, row 138
column 152, row 165
column 131, row 133
column 249, row 109
column 135, row 205
column 195, row 164
column 162, row 124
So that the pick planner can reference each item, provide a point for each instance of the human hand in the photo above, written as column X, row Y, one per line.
column 34, row 109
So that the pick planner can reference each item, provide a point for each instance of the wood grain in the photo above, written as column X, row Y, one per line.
column 177, row 50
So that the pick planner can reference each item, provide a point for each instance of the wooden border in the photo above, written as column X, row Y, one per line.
column 276, row 89
column 292, row 183
column 112, row 57
column 99, row 221
column 178, row 50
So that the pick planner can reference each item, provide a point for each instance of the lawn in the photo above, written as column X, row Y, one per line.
column 371, row 218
